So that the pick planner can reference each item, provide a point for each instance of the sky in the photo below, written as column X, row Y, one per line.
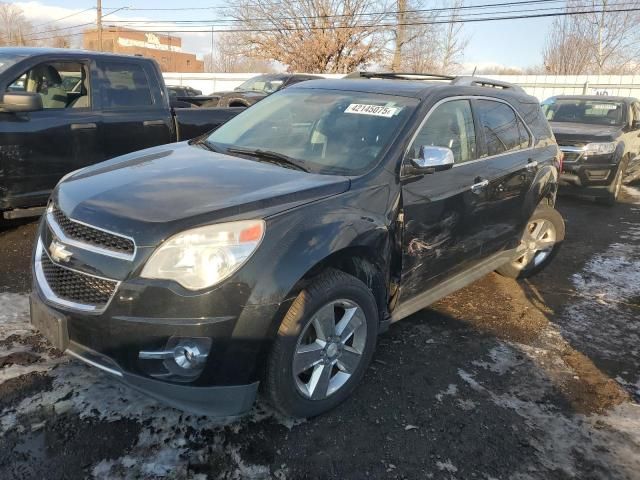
column 510, row 43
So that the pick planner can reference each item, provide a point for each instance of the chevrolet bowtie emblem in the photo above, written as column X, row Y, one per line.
column 58, row 252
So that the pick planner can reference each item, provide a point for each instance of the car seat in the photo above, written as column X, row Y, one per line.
column 45, row 80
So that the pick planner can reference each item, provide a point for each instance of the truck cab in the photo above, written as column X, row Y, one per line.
column 62, row 110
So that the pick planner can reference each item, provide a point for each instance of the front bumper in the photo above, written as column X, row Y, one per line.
column 587, row 179
column 216, row 400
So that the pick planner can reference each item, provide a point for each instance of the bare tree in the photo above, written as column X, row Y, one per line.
column 452, row 42
column 566, row 50
column 429, row 46
column 14, row 27
column 226, row 57
column 315, row 36
column 602, row 39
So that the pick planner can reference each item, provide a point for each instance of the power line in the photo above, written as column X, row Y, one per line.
column 387, row 13
column 388, row 25
column 204, row 23
column 64, row 18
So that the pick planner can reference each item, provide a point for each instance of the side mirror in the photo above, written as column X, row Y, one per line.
column 430, row 159
column 635, row 125
column 21, row 102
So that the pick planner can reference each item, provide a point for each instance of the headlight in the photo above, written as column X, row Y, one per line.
column 600, row 148
column 204, row 256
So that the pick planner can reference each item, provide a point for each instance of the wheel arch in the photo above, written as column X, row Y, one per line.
column 359, row 261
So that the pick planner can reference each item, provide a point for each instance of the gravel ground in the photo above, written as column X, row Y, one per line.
column 502, row 380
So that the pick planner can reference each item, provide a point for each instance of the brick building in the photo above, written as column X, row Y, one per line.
column 165, row 49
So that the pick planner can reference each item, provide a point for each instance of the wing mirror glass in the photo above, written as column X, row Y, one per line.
column 430, row 159
column 21, row 102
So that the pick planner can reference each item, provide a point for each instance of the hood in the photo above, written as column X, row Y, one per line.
column 157, row 192
column 567, row 133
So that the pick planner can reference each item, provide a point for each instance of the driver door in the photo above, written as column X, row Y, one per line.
column 445, row 212
column 45, row 145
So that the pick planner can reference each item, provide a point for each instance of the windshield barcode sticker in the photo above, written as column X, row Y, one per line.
column 375, row 110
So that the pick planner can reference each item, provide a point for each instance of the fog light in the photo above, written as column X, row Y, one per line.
column 182, row 357
column 598, row 174
column 189, row 356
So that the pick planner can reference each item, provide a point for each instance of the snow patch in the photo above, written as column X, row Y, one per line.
column 451, row 391
column 169, row 439
column 447, row 466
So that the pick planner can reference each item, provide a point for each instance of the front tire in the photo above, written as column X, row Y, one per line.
column 323, row 347
column 540, row 243
column 613, row 192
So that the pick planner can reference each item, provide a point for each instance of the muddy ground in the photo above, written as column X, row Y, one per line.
column 502, row 380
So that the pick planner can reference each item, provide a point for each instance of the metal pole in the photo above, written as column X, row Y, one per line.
column 99, row 23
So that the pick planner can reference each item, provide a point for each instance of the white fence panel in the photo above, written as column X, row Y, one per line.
column 540, row 86
column 214, row 82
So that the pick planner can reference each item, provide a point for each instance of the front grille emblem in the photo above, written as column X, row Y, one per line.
column 58, row 252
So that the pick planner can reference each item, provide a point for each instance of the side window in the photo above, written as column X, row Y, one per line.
column 449, row 125
column 525, row 138
column 501, row 127
column 125, row 85
column 60, row 84
column 636, row 111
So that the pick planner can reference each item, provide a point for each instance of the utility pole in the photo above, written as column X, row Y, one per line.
column 600, row 29
column 401, row 34
column 99, row 23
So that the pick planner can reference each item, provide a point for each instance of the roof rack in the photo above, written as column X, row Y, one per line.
column 465, row 80
column 471, row 81
column 400, row 75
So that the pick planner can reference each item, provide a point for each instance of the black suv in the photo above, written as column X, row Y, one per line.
column 276, row 249
column 600, row 138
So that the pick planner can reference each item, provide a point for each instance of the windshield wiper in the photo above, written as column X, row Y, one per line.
column 210, row 146
column 271, row 157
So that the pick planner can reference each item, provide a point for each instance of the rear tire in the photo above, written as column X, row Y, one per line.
column 324, row 345
column 540, row 243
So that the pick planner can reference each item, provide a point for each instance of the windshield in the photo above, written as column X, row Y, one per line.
column 594, row 112
column 326, row 131
column 262, row 83
column 7, row 60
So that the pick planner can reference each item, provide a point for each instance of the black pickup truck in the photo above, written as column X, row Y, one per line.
column 600, row 138
column 61, row 110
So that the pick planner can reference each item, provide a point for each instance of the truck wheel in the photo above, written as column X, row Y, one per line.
column 613, row 192
column 540, row 242
column 323, row 346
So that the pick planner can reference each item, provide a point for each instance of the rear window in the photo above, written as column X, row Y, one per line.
column 593, row 112
column 125, row 85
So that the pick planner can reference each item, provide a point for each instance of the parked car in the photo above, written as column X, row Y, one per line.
column 257, row 88
column 61, row 110
column 600, row 138
column 183, row 93
column 276, row 249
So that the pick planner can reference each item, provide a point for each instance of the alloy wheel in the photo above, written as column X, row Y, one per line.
column 536, row 245
column 330, row 349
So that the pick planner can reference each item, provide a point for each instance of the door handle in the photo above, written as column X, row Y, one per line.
column 83, row 126
column 152, row 123
column 478, row 187
column 532, row 165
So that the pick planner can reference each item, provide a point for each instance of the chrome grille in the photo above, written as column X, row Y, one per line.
column 86, row 234
column 77, row 287
column 71, row 288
